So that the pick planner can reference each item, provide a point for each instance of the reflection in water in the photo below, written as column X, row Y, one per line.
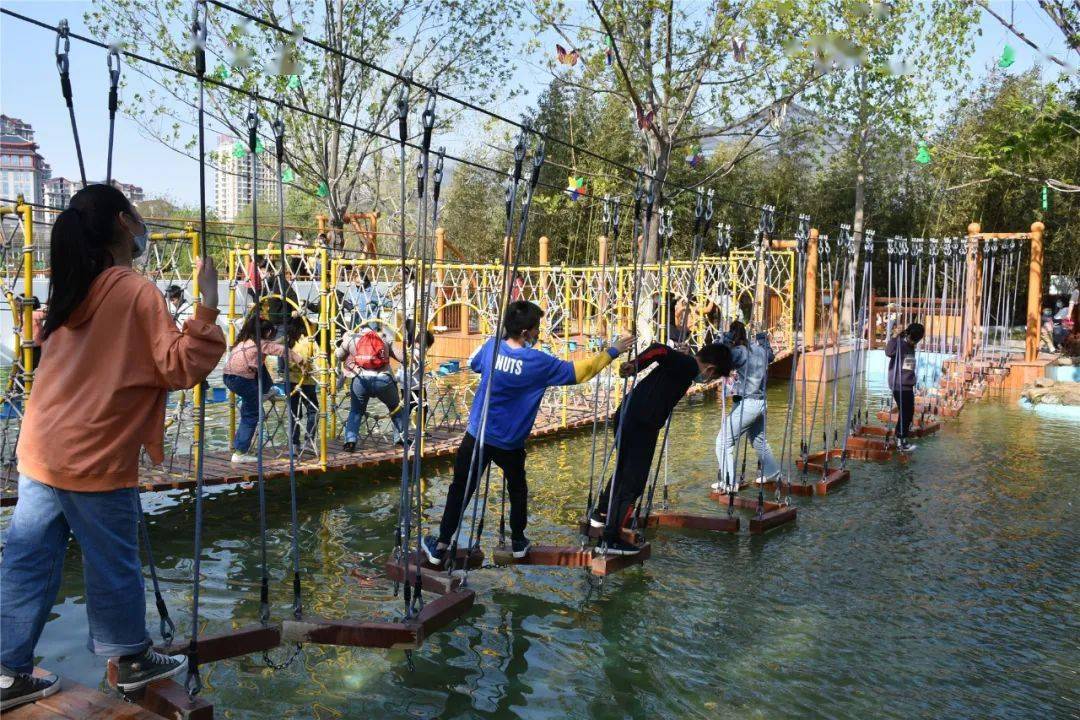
column 940, row 587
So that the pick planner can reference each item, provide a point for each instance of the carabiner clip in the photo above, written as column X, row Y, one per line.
column 114, row 72
column 62, row 30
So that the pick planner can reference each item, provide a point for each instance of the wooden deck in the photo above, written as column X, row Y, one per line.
column 163, row 699
column 219, row 470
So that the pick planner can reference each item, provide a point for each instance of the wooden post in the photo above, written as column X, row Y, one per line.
column 968, row 317
column 834, row 312
column 440, row 274
column 1034, row 303
column 545, row 248
column 810, row 292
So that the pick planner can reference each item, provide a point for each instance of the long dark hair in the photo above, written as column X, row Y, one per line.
column 79, row 251
column 737, row 334
column 247, row 330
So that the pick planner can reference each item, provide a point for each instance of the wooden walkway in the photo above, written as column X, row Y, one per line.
column 219, row 470
column 162, row 699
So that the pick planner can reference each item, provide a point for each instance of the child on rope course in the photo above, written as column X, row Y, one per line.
column 643, row 413
column 901, row 353
column 746, row 415
column 520, row 378
column 241, row 376
column 81, row 439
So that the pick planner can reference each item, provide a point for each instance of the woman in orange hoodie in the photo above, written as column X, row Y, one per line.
column 98, row 399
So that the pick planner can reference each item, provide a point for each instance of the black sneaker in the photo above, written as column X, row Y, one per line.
column 619, row 547
column 905, row 446
column 137, row 671
column 20, row 688
column 520, row 548
column 350, row 446
column 432, row 550
column 597, row 519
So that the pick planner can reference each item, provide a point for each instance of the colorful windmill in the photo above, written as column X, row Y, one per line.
column 696, row 156
column 575, row 187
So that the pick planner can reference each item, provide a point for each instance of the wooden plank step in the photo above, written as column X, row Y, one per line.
column 352, row 633
column 436, row 581
column 603, row 565
column 689, row 521
column 551, row 555
column 78, row 702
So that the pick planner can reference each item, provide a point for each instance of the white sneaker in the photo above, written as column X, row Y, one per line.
column 762, row 480
column 243, row 458
column 722, row 487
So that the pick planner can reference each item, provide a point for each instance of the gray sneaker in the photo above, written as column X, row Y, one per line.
column 20, row 688
column 133, row 672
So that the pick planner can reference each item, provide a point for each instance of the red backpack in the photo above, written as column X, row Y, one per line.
column 370, row 351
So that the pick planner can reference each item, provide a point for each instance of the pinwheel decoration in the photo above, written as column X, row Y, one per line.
column 696, row 156
column 575, row 187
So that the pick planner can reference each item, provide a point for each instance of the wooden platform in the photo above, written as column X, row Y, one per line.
column 163, row 699
column 688, row 521
column 920, row 427
column 819, row 482
column 571, row 556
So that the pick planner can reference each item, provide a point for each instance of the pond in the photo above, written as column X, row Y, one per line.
column 945, row 586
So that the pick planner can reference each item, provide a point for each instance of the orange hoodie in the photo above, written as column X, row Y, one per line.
column 99, row 394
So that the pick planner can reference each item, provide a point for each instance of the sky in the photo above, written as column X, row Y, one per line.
column 30, row 90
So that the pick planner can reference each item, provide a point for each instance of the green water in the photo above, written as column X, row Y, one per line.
column 945, row 587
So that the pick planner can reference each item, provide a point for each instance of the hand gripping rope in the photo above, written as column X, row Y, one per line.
column 63, row 66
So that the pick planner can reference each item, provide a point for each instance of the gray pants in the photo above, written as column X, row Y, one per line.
column 745, row 417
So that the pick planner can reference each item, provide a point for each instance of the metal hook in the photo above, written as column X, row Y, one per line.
column 709, row 204
column 438, row 172
column 114, row 72
column 62, row 31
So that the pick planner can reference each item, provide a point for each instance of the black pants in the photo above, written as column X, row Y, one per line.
column 635, row 454
column 905, row 401
column 304, row 403
column 511, row 462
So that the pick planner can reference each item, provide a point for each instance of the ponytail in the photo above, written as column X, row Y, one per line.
column 79, row 249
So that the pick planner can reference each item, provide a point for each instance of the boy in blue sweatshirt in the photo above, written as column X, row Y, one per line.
column 520, row 378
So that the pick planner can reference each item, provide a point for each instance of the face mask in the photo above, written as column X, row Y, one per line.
column 140, row 240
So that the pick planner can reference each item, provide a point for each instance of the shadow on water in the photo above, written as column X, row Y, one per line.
column 940, row 587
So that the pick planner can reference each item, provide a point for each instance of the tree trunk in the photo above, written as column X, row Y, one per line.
column 857, row 225
column 660, row 158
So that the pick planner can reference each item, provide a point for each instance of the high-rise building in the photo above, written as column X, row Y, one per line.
column 23, row 171
column 232, row 180
column 58, row 191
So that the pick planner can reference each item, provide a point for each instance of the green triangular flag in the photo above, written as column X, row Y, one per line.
column 259, row 147
column 923, row 156
column 221, row 72
column 322, row 191
column 1008, row 57
column 238, row 149
column 294, row 82
column 287, row 175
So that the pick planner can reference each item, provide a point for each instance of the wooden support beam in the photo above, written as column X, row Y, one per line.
column 442, row 611
column 688, row 521
column 169, row 699
column 553, row 555
column 772, row 519
column 436, row 581
column 603, row 565
column 352, row 633
column 236, row 643
column 1034, row 299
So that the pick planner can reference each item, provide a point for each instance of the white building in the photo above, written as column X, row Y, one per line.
column 23, row 171
column 232, row 179
column 58, row 191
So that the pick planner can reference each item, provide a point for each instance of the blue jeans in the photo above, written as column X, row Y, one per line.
column 381, row 386
column 747, row 416
column 247, row 390
column 106, row 526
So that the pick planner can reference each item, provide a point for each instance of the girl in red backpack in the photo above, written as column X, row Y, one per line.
column 241, row 376
column 365, row 363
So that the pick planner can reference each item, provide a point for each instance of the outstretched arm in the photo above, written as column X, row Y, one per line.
column 657, row 352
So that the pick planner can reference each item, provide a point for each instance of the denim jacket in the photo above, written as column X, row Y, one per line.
column 752, row 364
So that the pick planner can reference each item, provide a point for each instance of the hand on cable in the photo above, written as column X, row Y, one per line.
column 624, row 343
column 208, row 279
column 627, row 369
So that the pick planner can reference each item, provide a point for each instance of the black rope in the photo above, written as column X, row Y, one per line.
column 113, row 63
column 63, row 66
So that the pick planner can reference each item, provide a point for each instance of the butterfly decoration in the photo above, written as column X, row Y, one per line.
column 322, row 191
column 259, row 147
column 645, row 120
column 567, row 57
column 609, row 50
column 221, row 72
column 738, row 48
column 1008, row 57
column 294, row 82
column 696, row 156
column 238, row 150
column 287, row 175
column 575, row 187
column 923, row 156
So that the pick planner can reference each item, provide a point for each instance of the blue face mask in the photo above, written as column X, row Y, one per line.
column 141, row 241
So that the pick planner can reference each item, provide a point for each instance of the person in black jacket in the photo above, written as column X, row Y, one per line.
column 646, row 410
column 901, row 353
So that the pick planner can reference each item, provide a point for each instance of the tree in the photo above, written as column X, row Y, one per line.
column 342, row 103
column 890, row 60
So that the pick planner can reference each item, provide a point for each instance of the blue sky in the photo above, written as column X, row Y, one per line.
column 30, row 90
